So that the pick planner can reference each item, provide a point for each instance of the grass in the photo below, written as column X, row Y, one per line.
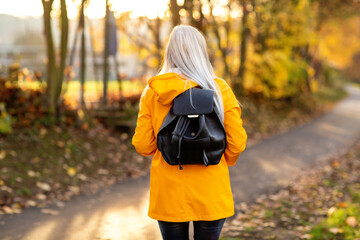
column 264, row 118
column 338, row 224
column 46, row 163
column 92, row 86
column 330, row 94
column 93, row 89
column 38, row 166
column 356, row 84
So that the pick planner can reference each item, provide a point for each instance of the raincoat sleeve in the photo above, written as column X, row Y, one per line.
column 235, row 133
column 144, row 139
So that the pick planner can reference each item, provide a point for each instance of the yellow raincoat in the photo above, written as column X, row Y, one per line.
column 196, row 192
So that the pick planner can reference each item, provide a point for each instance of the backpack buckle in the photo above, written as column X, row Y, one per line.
column 193, row 116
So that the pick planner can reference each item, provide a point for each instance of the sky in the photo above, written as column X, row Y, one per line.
column 96, row 8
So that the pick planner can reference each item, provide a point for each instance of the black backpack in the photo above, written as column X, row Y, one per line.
column 192, row 132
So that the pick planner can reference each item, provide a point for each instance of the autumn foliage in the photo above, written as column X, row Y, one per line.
column 25, row 106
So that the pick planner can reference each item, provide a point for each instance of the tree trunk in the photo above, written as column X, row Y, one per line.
column 224, row 50
column 83, row 54
column 189, row 6
column 155, row 29
column 54, row 73
column 63, row 50
column 238, row 87
column 93, row 57
column 308, row 58
column 106, row 53
column 50, row 68
column 174, row 10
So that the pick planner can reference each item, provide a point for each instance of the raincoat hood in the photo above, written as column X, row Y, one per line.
column 169, row 85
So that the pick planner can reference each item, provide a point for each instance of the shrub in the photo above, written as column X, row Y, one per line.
column 5, row 120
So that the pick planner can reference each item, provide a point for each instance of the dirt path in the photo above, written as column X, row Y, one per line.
column 120, row 211
column 269, row 165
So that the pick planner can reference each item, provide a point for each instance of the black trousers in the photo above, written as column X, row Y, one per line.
column 203, row 230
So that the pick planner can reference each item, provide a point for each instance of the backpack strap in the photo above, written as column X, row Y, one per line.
column 168, row 119
column 205, row 159
column 178, row 135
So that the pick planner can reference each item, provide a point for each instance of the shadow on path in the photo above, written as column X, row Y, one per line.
column 120, row 211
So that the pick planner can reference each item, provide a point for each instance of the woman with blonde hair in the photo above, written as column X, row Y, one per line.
column 197, row 193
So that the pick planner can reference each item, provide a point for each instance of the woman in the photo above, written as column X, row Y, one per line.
column 196, row 193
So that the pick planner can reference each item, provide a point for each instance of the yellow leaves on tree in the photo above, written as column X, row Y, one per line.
column 340, row 41
column 274, row 75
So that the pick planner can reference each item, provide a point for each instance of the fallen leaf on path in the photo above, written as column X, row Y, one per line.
column 80, row 113
column 236, row 222
column 58, row 129
column 111, row 181
column 85, row 126
column 111, row 139
column 335, row 230
column 2, row 154
column 43, row 132
column 40, row 196
column 7, row 210
column 60, row 204
column 16, row 207
column 60, row 144
column 43, row 186
column 269, row 224
column 135, row 173
column 303, row 228
column 342, row 204
column 351, row 221
column 87, row 146
column 335, row 164
column 306, row 236
column 103, row 171
column 74, row 189
column 71, row 171
column 35, row 160
column 6, row 189
column 13, row 153
column 50, row 211
column 139, row 159
column 31, row 173
column 124, row 136
column 331, row 211
column 82, row 177
column 110, row 155
column 31, row 203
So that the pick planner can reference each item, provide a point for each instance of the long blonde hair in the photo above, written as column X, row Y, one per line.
column 186, row 52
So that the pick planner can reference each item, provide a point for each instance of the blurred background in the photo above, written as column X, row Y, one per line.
column 72, row 72
column 264, row 49
column 83, row 62
column 290, row 55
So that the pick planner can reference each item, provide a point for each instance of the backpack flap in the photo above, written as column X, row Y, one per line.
column 193, row 102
